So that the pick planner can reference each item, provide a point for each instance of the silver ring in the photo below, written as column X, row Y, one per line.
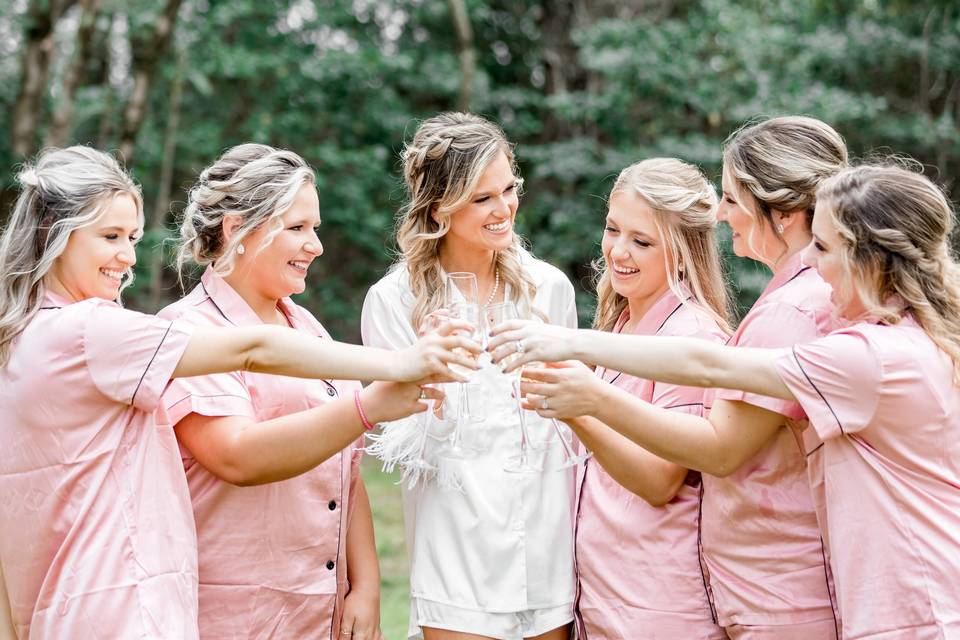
column 543, row 405
column 423, row 396
column 520, row 346
column 345, row 632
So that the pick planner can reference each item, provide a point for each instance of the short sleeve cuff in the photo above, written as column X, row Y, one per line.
column 822, row 418
column 161, row 366
column 183, row 403
column 790, row 409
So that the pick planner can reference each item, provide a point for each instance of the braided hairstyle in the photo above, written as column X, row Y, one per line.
column 64, row 190
column 895, row 226
column 253, row 182
column 441, row 167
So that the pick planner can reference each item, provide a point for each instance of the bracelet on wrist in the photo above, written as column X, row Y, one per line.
column 363, row 417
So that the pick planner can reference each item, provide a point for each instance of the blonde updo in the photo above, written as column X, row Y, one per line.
column 254, row 182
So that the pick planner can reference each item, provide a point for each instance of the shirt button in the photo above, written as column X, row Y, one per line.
column 332, row 505
column 330, row 564
column 331, row 391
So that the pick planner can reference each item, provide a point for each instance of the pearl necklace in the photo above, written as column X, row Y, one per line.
column 496, row 286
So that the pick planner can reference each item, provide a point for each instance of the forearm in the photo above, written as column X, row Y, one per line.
column 686, row 440
column 363, row 569
column 285, row 447
column 283, row 351
column 654, row 479
column 683, row 361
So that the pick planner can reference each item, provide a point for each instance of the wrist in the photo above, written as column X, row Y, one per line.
column 361, row 401
column 366, row 589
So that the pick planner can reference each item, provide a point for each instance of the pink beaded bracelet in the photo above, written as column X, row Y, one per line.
column 363, row 416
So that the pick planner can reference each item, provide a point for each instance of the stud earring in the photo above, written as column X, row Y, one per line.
column 780, row 228
column 240, row 249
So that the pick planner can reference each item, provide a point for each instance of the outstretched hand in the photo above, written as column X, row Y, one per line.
column 428, row 359
column 567, row 390
column 530, row 341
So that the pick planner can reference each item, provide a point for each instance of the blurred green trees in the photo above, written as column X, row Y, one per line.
column 584, row 88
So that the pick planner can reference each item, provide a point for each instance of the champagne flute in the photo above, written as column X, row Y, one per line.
column 569, row 456
column 461, row 295
column 494, row 314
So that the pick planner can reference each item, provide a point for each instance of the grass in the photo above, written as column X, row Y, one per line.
column 388, row 521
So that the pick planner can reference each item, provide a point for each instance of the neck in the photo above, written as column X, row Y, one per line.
column 795, row 243
column 482, row 262
column 264, row 306
column 639, row 306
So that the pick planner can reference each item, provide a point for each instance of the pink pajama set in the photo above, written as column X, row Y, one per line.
column 97, row 537
column 761, row 544
column 884, row 463
column 272, row 557
column 638, row 568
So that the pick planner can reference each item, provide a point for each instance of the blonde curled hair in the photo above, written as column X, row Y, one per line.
column 442, row 165
column 684, row 204
column 779, row 163
column 895, row 226
column 64, row 190
column 254, row 182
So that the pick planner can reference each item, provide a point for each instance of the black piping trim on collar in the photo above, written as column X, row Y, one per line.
column 657, row 332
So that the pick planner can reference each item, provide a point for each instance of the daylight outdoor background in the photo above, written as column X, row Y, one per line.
column 584, row 87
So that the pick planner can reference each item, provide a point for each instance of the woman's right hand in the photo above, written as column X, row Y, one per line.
column 426, row 360
column 387, row 401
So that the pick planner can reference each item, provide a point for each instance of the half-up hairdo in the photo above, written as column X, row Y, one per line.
column 442, row 165
column 684, row 204
column 895, row 226
column 254, row 182
column 64, row 190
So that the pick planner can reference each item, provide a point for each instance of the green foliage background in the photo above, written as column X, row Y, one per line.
column 583, row 89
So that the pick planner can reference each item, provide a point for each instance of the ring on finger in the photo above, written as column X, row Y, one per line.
column 543, row 405
column 346, row 632
column 520, row 346
column 423, row 396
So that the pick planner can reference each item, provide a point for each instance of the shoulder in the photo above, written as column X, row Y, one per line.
column 305, row 319
column 543, row 273
column 392, row 290
column 195, row 307
column 691, row 321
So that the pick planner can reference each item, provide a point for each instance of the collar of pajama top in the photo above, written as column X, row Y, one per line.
column 884, row 464
column 638, row 566
column 272, row 557
column 760, row 539
column 96, row 530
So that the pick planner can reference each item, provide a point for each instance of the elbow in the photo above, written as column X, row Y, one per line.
column 658, row 494
column 721, row 467
column 255, row 352
column 232, row 467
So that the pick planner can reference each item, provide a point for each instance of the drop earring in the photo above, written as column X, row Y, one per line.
column 240, row 249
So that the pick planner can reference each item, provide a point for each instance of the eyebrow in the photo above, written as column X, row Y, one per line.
column 607, row 220
column 485, row 194
column 819, row 240
column 117, row 229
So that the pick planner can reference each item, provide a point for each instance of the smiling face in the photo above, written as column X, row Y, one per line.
column 751, row 239
column 485, row 223
column 634, row 251
column 825, row 255
column 279, row 269
column 99, row 255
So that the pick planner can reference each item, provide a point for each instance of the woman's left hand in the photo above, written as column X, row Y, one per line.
column 567, row 390
column 530, row 341
column 361, row 616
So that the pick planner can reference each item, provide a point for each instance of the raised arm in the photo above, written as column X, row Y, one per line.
column 284, row 351
column 684, row 361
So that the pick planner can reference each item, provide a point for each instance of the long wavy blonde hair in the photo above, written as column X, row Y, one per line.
column 779, row 163
column 684, row 205
column 64, row 190
column 895, row 226
column 442, row 165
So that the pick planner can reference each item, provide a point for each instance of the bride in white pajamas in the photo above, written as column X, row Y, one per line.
column 492, row 556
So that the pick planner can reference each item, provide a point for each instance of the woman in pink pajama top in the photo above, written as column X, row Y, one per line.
column 96, row 532
column 882, row 397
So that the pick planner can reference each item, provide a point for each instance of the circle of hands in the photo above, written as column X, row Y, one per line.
column 553, row 385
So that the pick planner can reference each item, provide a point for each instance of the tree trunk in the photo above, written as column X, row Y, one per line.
column 42, row 18
column 164, row 188
column 62, row 123
column 468, row 61
column 146, row 56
